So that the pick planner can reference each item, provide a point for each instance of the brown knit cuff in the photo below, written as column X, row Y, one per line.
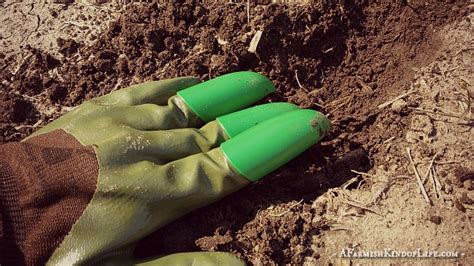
column 46, row 183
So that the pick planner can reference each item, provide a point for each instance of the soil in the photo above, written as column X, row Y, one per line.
column 343, row 58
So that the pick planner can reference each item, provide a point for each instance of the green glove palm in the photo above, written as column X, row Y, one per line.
column 155, row 165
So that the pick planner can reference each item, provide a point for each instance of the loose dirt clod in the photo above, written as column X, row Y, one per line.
column 435, row 219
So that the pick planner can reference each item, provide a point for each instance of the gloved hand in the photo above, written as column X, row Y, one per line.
column 88, row 186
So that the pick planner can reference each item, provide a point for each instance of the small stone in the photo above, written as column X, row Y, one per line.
column 459, row 205
column 398, row 104
column 457, row 181
column 412, row 137
column 435, row 219
column 309, row 261
column 448, row 188
column 422, row 123
column 465, row 199
column 435, row 69
column 467, row 184
column 443, row 173
column 359, row 210
column 449, row 203
column 463, row 174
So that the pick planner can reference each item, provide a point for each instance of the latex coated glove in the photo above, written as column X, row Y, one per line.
column 91, row 184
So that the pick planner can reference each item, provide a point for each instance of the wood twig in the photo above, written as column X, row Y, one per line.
column 287, row 211
column 418, row 178
column 248, row 11
column 447, row 162
column 362, row 173
column 21, row 64
column 429, row 175
column 254, row 42
column 349, row 182
column 354, row 204
column 339, row 106
column 35, row 125
column 194, row 55
column 436, row 184
column 387, row 103
column 439, row 192
column 298, row 81
column 339, row 228
column 440, row 113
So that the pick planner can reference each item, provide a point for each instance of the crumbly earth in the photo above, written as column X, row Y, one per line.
column 391, row 76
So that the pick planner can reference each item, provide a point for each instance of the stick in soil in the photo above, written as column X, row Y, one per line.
column 361, row 173
column 433, row 183
column 337, row 227
column 354, row 204
column 298, row 81
column 349, row 182
column 21, row 64
column 438, row 184
column 254, row 42
column 248, row 11
column 339, row 106
column 195, row 54
column 387, row 103
column 429, row 175
column 418, row 178
column 441, row 113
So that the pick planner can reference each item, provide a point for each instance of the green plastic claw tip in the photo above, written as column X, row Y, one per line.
column 237, row 122
column 262, row 149
column 226, row 94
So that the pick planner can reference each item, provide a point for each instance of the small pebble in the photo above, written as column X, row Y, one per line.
column 448, row 188
column 449, row 203
column 467, row 184
column 459, row 205
column 435, row 219
column 465, row 199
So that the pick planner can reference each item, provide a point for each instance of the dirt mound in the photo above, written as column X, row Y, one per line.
column 341, row 58
column 322, row 56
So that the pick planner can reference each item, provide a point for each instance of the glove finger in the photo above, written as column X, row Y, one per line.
column 177, row 115
column 203, row 102
column 195, row 258
column 167, row 145
column 203, row 178
column 158, row 117
column 156, row 92
column 190, row 183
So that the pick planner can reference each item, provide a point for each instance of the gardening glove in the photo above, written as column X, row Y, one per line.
column 87, row 187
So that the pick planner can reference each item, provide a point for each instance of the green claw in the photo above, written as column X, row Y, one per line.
column 237, row 122
column 262, row 149
column 226, row 94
